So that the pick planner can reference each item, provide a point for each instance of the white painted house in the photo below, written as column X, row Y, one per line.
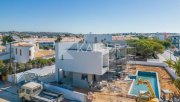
column 23, row 52
column 81, row 63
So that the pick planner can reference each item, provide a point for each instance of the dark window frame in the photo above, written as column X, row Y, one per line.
column 84, row 77
column 16, row 51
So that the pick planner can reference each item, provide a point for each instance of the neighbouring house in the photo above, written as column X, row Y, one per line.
column 23, row 52
column 42, row 42
column 46, row 42
column 176, row 41
column 161, row 36
column 28, row 49
column 97, row 38
column 80, row 64
column 107, row 38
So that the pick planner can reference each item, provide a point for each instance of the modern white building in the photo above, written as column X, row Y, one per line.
column 81, row 63
column 98, row 38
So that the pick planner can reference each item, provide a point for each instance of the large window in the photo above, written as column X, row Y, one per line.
column 84, row 77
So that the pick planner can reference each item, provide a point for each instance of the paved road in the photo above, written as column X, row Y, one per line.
column 8, row 92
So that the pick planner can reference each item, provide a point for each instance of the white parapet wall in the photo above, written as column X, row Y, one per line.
column 45, row 74
column 68, row 94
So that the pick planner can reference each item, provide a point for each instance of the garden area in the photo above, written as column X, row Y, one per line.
column 6, row 68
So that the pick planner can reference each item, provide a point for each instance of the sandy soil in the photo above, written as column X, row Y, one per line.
column 109, row 96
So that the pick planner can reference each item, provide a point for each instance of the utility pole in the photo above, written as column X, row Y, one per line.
column 10, row 60
column 15, row 71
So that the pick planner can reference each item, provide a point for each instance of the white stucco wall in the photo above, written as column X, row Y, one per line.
column 78, row 82
column 89, row 62
column 90, row 38
column 24, row 57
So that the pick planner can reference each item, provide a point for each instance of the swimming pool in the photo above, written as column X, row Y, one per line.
column 152, row 77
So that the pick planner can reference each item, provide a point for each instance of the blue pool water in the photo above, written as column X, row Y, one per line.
column 151, row 77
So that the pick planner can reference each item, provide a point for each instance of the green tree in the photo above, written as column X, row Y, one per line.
column 166, row 43
column 59, row 39
column 6, row 39
column 28, row 66
column 52, row 59
column 177, row 83
column 49, row 62
column 21, row 67
column 176, row 66
column 1, row 64
column 169, row 62
column 146, row 47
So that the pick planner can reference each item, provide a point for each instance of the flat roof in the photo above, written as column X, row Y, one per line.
column 23, row 44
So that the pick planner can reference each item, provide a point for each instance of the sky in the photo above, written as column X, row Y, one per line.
column 96, row 16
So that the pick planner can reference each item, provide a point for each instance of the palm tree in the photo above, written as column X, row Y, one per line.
column 169, row 62
column 177, row 83
column 58, row 39
column 176, row 66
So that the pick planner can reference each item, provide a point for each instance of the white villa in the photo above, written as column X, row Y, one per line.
column 80, row 63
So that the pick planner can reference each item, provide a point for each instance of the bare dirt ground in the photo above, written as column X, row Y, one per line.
column 122, row 96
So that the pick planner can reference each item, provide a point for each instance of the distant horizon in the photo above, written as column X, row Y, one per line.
column 96, row 16
column 91, row 32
